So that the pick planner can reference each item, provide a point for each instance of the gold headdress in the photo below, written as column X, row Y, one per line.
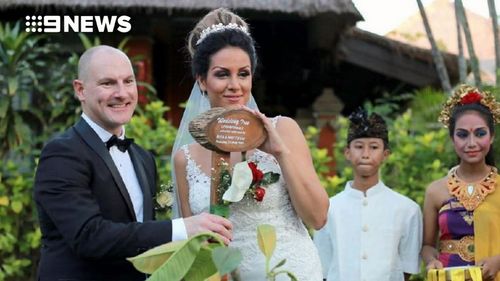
column 466, row 94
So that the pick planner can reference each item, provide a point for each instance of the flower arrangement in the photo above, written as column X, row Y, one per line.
column 247, row 179
column 164, row 200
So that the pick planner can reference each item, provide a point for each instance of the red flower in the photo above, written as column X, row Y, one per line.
column 256, row 173
column 259, row 193
column 471, row 97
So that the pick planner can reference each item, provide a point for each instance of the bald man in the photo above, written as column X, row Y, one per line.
column 94, row 188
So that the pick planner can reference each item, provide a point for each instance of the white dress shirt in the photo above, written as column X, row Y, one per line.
column 375, row 236
column 127, row 172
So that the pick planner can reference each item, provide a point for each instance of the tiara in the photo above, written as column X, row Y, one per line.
column 468, row 95
column 221, row 27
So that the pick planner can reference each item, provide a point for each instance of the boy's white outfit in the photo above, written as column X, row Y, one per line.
column 372, row 237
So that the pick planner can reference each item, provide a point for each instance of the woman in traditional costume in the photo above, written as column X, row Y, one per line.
column 463, row 208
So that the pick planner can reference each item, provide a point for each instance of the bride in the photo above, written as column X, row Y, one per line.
column 223, row 63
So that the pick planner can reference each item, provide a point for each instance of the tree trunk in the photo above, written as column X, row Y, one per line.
column 470, row 46
column 436, row 54
column 462, row 64
column 494, row 22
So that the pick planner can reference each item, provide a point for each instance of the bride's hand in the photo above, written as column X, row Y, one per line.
column 273, row 144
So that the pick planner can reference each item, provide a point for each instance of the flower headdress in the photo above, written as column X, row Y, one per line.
column 362, row 126
column 221, row 27
column 466, row 94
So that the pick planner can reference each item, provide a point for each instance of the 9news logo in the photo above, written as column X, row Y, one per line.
column 56, row 24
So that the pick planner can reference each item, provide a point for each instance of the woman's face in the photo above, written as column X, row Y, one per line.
column 229, row 78
column 472, row 137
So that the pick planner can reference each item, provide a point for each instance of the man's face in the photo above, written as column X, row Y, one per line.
column 366, row 155
column 108, row 91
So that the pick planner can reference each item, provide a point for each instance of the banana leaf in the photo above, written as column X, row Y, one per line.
column 189, row 259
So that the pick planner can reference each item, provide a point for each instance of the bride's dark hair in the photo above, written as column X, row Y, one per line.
column 201, row 52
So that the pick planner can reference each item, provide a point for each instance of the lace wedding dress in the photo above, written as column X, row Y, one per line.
column 293, row 241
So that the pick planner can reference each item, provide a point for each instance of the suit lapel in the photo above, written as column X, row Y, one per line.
column 92, row 139
column 139, row 167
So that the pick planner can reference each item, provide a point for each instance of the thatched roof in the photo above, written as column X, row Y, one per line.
column 302, row 7
column 396, row 59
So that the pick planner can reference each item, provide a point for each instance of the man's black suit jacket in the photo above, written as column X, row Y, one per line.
column 86, row 216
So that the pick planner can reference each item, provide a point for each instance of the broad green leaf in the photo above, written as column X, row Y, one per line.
column 226, row 259
column 203, row 267
column 178, row 265
column 152, row 259
column 266, row 235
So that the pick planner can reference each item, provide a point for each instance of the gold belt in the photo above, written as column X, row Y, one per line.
column 463, row 247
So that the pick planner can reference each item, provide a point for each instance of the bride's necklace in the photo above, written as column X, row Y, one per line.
column 471, row 194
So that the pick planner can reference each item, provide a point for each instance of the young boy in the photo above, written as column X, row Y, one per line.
column 373, row 233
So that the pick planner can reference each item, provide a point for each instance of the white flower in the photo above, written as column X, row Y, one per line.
column 165, row 199
column 240, row 183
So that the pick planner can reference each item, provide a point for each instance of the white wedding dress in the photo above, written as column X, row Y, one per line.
column 293, row 241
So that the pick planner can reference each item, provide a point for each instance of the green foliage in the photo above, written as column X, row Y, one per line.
column 266, row 237
column 35, row 104
column 190, row 260
column 151, row 131
column 226, row 259
column 19, row 233
column 18, row 52
column 417, row 158
column 426, row 106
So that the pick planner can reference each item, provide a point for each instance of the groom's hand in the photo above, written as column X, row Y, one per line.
column 208, row 222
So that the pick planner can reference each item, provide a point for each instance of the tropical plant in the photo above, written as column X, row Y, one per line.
column 205, row 257
column 189, row 260
column 266, row 237
column 425, row 105
column 18, row 53
column 19, row 232
column 31, row 112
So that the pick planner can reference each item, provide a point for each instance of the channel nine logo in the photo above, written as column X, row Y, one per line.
column 56, row 24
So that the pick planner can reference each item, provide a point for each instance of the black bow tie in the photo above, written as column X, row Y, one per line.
column 122, row 145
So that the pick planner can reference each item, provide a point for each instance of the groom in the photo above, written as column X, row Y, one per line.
column 94, row 188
